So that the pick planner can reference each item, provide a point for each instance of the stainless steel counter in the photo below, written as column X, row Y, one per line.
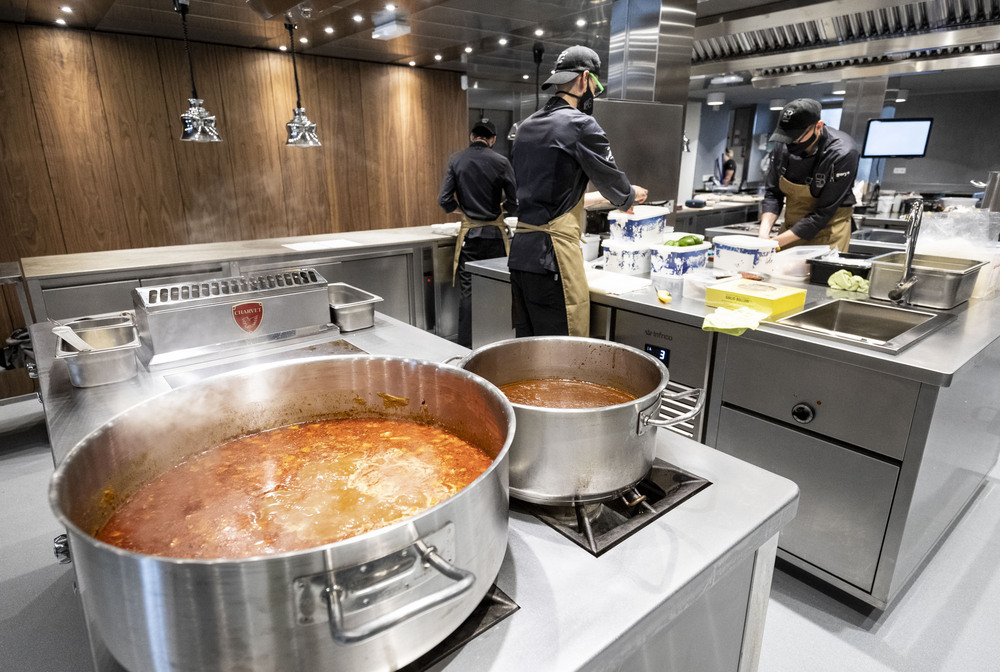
column 934, row 360
column 693, row 583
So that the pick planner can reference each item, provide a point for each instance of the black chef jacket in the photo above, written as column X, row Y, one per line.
column 557, row 151
column 479, row 178
column 829, row 172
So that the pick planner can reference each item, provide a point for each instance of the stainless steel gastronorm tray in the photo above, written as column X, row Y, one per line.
column 942, row 282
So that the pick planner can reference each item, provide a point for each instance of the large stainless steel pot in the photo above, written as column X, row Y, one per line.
column 372, row 602
column 562, row 456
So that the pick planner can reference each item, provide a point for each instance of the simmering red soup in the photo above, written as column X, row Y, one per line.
column 295, row 488
column 563, row 393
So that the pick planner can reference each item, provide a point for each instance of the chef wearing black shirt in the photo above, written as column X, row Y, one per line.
column 557, row 151
column 812, row 175
column 477, row 181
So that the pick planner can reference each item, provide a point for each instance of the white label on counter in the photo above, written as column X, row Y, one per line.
column 899, row 170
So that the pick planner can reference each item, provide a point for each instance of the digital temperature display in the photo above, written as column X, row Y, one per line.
column 661, row 354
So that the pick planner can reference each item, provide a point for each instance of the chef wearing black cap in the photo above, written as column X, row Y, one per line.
column 812, row 175
column 556, row 151
column 478, row 181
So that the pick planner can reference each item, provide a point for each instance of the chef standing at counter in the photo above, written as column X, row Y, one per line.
column 478, row 181
column 812, row 175
column 557, row 150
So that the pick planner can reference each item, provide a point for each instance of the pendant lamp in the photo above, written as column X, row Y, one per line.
column 199, row 125
column 301, row 131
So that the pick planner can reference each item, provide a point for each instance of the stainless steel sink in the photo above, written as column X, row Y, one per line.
column 864, row 324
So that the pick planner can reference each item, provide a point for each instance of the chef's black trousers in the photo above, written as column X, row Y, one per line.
column 473, row 249
column 538, row 305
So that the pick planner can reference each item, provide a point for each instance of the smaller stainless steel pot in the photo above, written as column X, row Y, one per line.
column 562, row 456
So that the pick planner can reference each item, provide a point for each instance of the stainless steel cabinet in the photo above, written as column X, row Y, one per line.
column 845, row 498
column 859, row 406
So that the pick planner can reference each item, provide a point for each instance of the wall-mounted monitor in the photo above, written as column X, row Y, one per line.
column 896, row 138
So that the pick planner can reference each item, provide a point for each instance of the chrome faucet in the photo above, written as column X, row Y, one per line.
column 900, row 294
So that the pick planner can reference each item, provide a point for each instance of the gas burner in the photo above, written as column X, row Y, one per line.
column 495, row 607
column 599, row 527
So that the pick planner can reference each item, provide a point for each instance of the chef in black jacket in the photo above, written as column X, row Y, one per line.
column 556, row 151
column 812, row 174
column 477, row 181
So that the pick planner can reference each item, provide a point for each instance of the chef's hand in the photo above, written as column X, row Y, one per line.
column 640, row 194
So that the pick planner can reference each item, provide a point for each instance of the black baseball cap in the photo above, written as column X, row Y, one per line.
column 795, row 118
column 484, row 128
column 571, row 63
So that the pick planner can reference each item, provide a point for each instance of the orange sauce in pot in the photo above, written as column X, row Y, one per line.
column 295, row 488
column 563, row 393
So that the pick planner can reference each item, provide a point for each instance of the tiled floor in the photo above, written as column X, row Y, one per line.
column 947, row 620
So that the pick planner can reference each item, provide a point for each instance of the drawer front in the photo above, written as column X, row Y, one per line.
column 844, row 496
column 848, row 403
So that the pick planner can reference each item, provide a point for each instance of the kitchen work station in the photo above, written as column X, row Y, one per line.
column 609, row 336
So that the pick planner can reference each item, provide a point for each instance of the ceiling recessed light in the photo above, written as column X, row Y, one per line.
column 304, row 40
column 437, row 57
column 61, row 22
column 390, row 7
column 581, row 22
column 358, row 18
column 282, row 48
column 839, row 92
column 412, row 63
column 468, row 50
column 328, row 30
column 503, row 41
column 524, row 76
column 66, row 9
column 539, row 32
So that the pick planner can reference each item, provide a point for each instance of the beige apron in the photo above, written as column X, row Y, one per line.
column 799, row 202
column 469, row 224
column 565, row 232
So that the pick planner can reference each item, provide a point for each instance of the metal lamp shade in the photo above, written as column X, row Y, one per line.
column 199, row 125
column 301, row 131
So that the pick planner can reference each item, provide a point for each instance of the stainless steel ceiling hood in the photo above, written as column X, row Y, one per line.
column 295, row 9
column 849, row 39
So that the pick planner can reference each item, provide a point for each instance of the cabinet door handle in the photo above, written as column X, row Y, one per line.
column 803, row 413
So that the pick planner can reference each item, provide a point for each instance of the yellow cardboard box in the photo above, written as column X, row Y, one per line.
column 754, row 294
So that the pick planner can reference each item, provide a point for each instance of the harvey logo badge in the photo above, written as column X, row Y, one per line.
column 248, row 315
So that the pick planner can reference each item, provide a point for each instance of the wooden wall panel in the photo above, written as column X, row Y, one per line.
column 347, row 154
column 66, row 95
column 303, row 169
column 385, row 130
column 140, row 135
column 208, row 189
column 30, row 222
column 252, row 140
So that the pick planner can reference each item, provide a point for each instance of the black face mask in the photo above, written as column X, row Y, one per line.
column 585, row 103
column 799, row 148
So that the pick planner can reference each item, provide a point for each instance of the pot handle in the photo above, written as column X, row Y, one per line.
column 463, row 581
column 651, row 419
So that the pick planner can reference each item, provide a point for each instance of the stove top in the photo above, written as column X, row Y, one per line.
column 602, row 526
column 495, row 607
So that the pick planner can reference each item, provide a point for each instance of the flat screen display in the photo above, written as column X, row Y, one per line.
column 896, row 138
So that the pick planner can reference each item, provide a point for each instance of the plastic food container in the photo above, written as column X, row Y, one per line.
column 791, row 263
column 351, row 308
column 647, row 224
column 591, row 246
column 698, row 280
column 820, row 270
column 669, row 260
column 744, row 254
column 115, row 341
column 628, row 258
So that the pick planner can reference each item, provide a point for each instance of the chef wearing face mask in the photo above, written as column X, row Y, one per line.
column 557, row 151
column 812, row 175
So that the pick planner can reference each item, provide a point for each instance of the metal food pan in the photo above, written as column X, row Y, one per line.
column 942, row 282
column 115, row 341
column 351, row 308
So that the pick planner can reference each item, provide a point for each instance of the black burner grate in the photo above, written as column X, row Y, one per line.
column 598, row 528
